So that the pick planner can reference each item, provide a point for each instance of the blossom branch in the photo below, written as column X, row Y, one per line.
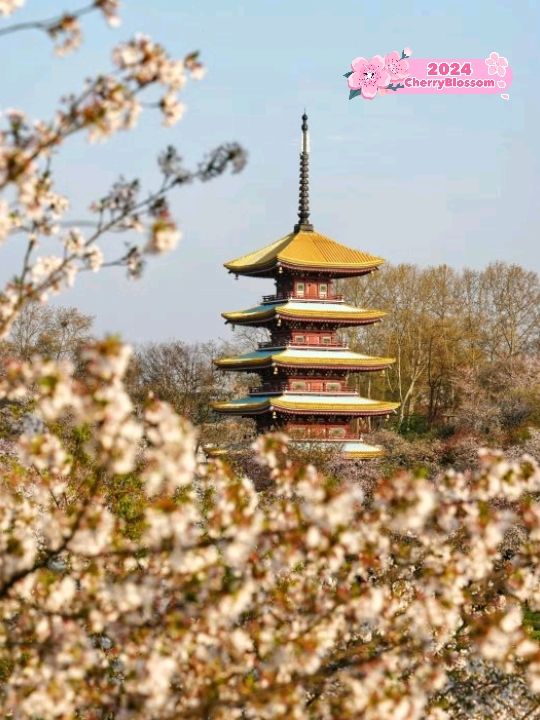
column 65, row 29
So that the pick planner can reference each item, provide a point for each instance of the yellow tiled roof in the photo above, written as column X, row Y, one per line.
column 350, row 448
column 364, row 454
column 346, row 314
column 366, row 408
column 304, row 358
column 305, row 249
column 335, row 404
column 349, row 452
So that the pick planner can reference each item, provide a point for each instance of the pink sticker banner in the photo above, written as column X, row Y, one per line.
column 398, row 73
column 454, row 77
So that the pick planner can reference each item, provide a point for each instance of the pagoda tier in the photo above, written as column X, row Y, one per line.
column 295, row 357
column 303, row 368
column 325, row 313
column 346, row 404
column 305, row 250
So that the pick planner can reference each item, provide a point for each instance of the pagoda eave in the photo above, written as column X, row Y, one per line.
column 265, row 318
column 351, row 406
column 337, row 272
column 306, row 366
column 348, row 449
column 308, row 412
column 333, row 271
column 363, row 454
column 377, row 364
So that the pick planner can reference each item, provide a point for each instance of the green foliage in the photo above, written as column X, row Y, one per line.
column 11, row 414
column 532, row 622
column 126, row 499
column 414, row 425
column 518, row 435
column 6, row 668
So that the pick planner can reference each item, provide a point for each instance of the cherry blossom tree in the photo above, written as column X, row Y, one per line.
column 138, row 582
column 107, row 104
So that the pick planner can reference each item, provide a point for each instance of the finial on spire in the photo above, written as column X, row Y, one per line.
column 303, row 202
column 305, row 134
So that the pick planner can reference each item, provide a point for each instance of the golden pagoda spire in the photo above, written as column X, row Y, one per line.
column 303, row 201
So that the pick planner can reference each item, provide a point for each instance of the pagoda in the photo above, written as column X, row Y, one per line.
column 304, row 366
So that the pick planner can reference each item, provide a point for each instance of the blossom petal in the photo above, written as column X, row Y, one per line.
column 377, row 61
column 369, row 92
column 355, row 81
column 393, row 56
column 358, row 64
column 384, row 78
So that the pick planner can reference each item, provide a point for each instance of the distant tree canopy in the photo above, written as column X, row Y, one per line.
column 185, row 376
column 466, row 343
column 53, row 332
column 182, row 374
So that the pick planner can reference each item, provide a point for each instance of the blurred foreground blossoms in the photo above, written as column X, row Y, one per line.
column 33, row 211
column 135, row 583
column 65, row 30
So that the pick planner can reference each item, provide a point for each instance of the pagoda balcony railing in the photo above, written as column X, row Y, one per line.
column 276, row 387
column 284, row 388
column 338, row 344
column 294, row 296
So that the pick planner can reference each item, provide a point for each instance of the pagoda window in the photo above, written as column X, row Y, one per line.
column 326, row 339
column 300, row 339
column 323, row 290
column 333, row 386
column 300, row 289
column 336, row 432
column 299, row 385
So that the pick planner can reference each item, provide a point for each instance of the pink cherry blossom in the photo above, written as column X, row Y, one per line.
column 396, row 66
column 368, row 76
column 497, row 64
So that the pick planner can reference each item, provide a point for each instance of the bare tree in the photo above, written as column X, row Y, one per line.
column 53, row 332
column 462, row 342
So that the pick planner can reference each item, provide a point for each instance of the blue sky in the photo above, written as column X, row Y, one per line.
column 419, row 179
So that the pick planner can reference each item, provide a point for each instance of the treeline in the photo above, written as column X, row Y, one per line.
column 466, row 344
column 181, row 373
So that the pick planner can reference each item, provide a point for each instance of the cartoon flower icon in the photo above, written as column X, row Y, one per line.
column 397, row 66
column 368, row 76
column 497, row 64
